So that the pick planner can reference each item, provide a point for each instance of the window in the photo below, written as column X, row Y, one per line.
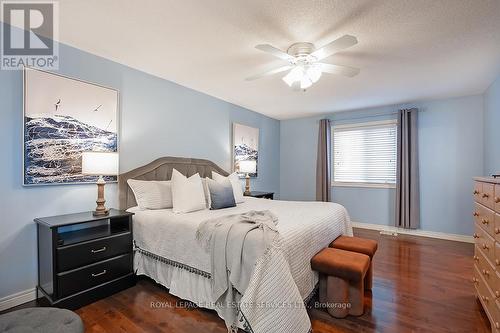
column 365, row 154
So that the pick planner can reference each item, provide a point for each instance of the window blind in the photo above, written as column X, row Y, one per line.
column 365, row 153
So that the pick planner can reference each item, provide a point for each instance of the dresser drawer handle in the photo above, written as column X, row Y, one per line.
column 497, row 200
column 99, row 250
column 485, row 195
column 476, row 214
column 476, row 192
column 476, row 258
column 497, row 325
column 99, row 274
column 485, row 272
column 485, row 221
column 485, row 247
column 497, row 294
column 497, row 230
column 497, row 262
column 476, row 235
column 474, row 280
column 486, row 299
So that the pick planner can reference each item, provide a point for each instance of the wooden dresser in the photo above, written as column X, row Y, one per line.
column 486, row 276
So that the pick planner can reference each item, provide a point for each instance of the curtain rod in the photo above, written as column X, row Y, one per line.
column 371, row 116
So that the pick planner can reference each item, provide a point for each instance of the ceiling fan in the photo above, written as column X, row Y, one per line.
column 304, row 62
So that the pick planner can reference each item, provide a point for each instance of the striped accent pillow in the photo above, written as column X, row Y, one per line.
column 151, row 194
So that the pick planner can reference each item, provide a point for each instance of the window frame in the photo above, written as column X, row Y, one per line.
column 357, row 126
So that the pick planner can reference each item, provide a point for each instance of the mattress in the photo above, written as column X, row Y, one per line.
column 305, row 228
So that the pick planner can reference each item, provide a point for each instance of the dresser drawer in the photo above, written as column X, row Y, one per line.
column 81, row 254
column 485, row 242
column 486, row 219
column 485, row 267
column 485, row 295
column 497, row 198
column 488, row 195
column 495, row 285
column 478, row 190
column 86, row 277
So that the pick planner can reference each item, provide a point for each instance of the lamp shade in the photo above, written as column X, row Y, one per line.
column 100, row 163
column 249, row 166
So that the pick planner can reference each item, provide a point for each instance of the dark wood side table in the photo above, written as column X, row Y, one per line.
column 83, row 258
column 260, row 194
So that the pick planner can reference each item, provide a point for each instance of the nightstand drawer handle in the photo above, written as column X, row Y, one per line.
column 99, row 274
column 99, row 250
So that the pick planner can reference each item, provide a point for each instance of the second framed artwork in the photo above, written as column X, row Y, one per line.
column 245, row 148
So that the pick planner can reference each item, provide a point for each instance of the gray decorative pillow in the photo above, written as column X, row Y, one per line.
column 221, row 194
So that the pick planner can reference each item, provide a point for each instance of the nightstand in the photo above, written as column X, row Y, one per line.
column 259, row 194
column 83, row 258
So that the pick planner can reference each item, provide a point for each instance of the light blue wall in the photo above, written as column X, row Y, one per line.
column 491, row 129
column 158, row 118
column 451, row 153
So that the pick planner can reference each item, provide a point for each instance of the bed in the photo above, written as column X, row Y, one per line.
column 166, row 249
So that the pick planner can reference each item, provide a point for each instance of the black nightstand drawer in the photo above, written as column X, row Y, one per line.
column 89, row 276
column 77, row 255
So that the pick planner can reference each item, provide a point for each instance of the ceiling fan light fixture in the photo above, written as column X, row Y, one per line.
column 303, row 61
column 314, row 73
column 295, row 74
column 306, row 82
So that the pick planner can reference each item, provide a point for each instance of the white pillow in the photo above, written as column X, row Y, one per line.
column 235, row 182
column 207, row 192
column 187, row 193
column 152, row 194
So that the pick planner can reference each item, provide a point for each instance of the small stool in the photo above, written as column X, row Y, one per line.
column 41, row 320
column 341, row 280
column 359, row 245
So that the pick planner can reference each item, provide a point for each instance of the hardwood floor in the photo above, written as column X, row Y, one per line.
column 420, row 285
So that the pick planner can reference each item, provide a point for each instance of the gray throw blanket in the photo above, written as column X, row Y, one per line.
column 235, row 243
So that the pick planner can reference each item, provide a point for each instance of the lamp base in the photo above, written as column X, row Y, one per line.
column 100, row 210
column 247, row 185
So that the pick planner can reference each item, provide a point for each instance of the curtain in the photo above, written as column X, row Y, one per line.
column 324, row 162
column 407, row 179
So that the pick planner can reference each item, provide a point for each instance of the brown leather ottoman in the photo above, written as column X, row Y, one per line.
column 360, row 245
column 341, row 280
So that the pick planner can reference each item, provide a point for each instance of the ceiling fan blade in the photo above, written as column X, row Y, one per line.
column 335, row 46
column 337, row 69
column 274, row 51
column 271, row 72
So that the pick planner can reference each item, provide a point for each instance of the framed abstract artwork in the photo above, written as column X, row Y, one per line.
column 245, row 147
column 64, row 117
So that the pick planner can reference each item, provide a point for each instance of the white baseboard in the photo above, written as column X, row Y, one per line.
column 16, row 299
column 414, row 232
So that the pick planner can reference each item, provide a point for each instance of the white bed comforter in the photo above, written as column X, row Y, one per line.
column 305, row 228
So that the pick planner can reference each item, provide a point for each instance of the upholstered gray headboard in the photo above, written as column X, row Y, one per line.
column 161, row 169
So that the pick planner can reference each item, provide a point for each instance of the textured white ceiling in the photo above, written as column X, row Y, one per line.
column 408, row 50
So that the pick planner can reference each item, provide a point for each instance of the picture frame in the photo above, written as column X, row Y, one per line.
column 245, row 146
column 63, row 117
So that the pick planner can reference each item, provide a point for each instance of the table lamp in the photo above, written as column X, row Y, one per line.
column 247, row 167
column 100, row 164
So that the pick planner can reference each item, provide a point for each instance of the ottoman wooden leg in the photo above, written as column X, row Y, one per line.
column 356, row 296
column 337, row 295
column 322, row 288
column 369, row 277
